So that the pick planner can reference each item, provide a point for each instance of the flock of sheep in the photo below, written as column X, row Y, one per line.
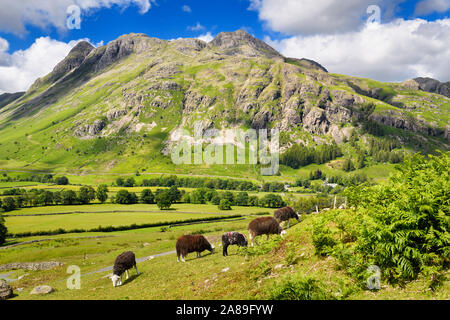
column 198, row 243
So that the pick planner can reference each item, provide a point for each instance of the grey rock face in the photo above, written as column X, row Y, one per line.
column 42, row 290
column 90, row 130
column 316, row 122
column 5, row 290
column 240, row 42
column 429, row 85
column 73, row 60
column 32, row 266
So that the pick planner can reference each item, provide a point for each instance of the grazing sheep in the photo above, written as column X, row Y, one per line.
column 230, row 238
column 123, row 263
column 264, row 225
column 285, row 214
column 192, row 243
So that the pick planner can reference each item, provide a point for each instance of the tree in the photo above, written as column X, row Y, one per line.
column 174, row 194
column 271, row 201
column 242, row 199
column 86, row 194
column 228, row 195
column 163, row 200
column 102, row 193
column 120, row 182
column 147, row 196
column 224, row 205
column 125, row 197
column 130, row 182
column 69, row 197
column 62, row 181
column 216, row 200
column 3, row 230
column 8, row 204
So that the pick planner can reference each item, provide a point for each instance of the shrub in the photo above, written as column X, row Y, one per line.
column 163, row 200
column 62, row 181
column 224, row 205
column 3, row 231
column 102, row 193
column 125, row 197
column 147, row 196
column 8, row 204
column 401, row 226
column 298, row 287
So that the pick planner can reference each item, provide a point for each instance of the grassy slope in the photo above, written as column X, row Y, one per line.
column 248, row 277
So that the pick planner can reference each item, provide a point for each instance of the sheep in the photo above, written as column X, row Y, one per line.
column 123, row 263
column 285, row 214
column 264, row 225
column 192, row 243
column 230, row 238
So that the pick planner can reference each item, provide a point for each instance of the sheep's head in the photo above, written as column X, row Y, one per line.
column 116, row 280
column 244, row 242
column 299, row 218
column 212, row 250
column 283, row 233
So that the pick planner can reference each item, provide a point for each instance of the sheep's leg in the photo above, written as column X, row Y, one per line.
column 251, row 239
column 225, row 252
column 127, row 274
column 135, row 266
column 199, row 254
column 288, row 224
column 182, row 258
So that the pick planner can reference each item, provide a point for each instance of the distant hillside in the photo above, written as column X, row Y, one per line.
column 7, row 98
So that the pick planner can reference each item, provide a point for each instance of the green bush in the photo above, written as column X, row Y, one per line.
column 401, row 226
column 298, row 287
column 224, row 205
column 3, row 231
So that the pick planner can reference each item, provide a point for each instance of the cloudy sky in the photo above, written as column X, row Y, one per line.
column 386, row 40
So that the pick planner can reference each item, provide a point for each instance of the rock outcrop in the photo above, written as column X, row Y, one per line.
column 6, row 291
column 429, row 85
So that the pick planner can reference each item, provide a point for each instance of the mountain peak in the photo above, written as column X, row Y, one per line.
column 73, row 60
column 241, row 42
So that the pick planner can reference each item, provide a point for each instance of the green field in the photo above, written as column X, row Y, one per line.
column 248, row 277
column 118, row 215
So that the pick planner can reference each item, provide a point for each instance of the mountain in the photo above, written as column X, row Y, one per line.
column 429, row 85
column 7, row 98
column 117, row 107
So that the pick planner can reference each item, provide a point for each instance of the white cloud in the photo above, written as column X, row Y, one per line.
column 23, row 67
column 426, row 7
column 186, row 8
column 16, row 15
column 308, row 17
column 207, row 37
column 395, row 51
column 197, row 27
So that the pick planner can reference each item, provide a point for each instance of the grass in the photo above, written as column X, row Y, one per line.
column 94, row 216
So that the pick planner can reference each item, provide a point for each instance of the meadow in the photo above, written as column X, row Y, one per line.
column 250, row 276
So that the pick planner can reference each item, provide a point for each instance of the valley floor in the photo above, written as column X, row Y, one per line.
column 250, row 276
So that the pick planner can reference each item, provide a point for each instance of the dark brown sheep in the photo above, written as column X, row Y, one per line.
column 192, row 243
column 264, row 225
column 285, row 214
column 230, row 238
column 123, row 263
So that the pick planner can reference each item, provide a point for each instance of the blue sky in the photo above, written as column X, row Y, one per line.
column 299, row 28
column 167, row 20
